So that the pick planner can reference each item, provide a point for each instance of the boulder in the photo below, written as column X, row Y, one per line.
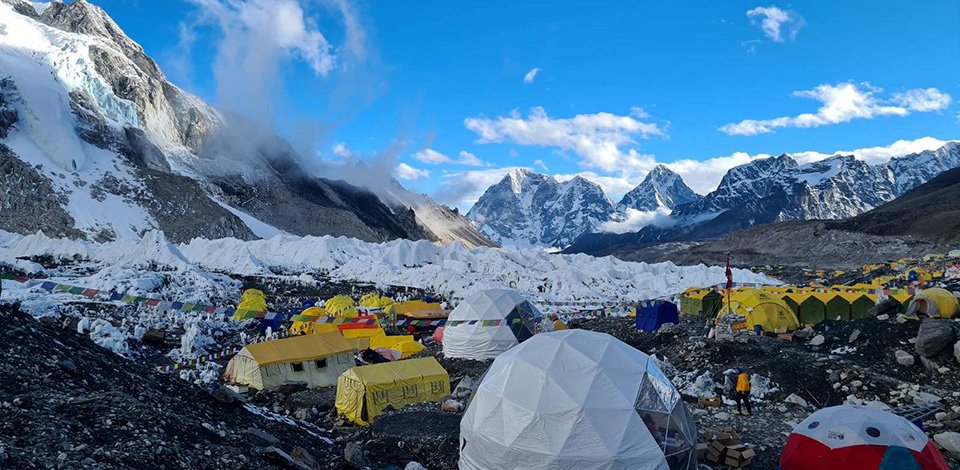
column 950, row 441
column 904, row 358
column 854, row 336
column 283, row 459
column 817, row 340
column 262, row 438
column 934, row 336
column 796, row 400
column 353, row 454
column 887, row 307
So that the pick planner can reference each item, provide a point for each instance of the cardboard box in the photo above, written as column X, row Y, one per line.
column 718, row 446
column 709, row 402
column 736, row 463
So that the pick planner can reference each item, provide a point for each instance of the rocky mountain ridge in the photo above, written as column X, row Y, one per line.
column 114, row 149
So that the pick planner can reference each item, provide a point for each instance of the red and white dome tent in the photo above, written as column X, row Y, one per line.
column 859, row 438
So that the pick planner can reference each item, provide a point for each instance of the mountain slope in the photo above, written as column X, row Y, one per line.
column 527, row 208
column 114, row 149
column 660, row 188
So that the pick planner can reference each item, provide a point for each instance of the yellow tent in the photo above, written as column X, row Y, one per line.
column 375, row 301
column 935, row 303
column 363, row 392
column 341, row 306
column 302, row 327
column 403, row 343
column 759, row 308
column 253, row 300
column 363, row 332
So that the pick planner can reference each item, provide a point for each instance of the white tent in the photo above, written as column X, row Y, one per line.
column 576, row 399
column 487, row 323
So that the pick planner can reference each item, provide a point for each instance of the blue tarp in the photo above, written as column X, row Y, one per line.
column 273, row 320
column 652, row 315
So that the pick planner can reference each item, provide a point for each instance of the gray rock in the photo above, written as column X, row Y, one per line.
column 817, row 340
column 87, row 462
column 722, row 416
column 796, row 400
column 68, row 366
column 227, row 396
column 353, row 454
column 956, row 351
column 854, row 336
column 950, row 441
column 935, row 335
column 262, row 438
column 904, row 358
column 283, row 458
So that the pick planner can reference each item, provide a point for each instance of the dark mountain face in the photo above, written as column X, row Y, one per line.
column 143, row 154
column 528, row 208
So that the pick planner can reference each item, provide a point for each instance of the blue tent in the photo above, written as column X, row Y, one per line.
column 654, row 313
column 273, row 320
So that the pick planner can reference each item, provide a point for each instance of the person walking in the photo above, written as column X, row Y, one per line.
column 743, row 393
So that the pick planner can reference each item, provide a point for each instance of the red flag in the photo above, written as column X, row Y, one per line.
column 729, row 275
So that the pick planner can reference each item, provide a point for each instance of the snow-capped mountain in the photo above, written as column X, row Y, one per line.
column 661, row 188
column 528, row 208
column 96, row 143
column 778, row 189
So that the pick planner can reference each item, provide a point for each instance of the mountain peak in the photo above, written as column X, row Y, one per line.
column 661, row 188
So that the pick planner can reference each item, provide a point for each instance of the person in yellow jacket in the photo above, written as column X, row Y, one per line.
column 743, row 392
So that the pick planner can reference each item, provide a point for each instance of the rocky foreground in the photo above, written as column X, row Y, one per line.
column 65, row 402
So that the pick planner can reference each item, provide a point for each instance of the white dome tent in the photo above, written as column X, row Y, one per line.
column 488, row 323
column 576, row 399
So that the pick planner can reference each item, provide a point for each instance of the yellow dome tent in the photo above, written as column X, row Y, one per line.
column 762, row 309
column 341, row 306
column 375, row 301
column 252, row 301
column 935, row 303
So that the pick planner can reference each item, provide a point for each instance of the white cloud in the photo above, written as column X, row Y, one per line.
column 845, row 102
column 409, row 173
column 469, row 159
column 340, row 149
column 433, row 157
column 635, row 220
column 777, row 25
column 531, row 75
column 600, row 139
column 463, row 189
column 257, row 38
column 540, row 164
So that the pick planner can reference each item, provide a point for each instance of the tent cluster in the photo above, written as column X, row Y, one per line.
column 767, row 306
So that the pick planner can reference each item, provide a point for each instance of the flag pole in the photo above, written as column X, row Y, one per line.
column 729, row 284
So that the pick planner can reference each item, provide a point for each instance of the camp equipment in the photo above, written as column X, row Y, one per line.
column 363, row 392
column 488, row 323
column 861, row 438
column 576, row 399
column 316, row 360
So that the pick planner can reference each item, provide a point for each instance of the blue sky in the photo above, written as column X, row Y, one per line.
column 437, row 89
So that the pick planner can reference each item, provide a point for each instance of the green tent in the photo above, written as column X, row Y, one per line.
column 711, row 303
column 812, row 310
column 837, row 308
column 691, row 302
column 860, row 305
column 789, row 300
